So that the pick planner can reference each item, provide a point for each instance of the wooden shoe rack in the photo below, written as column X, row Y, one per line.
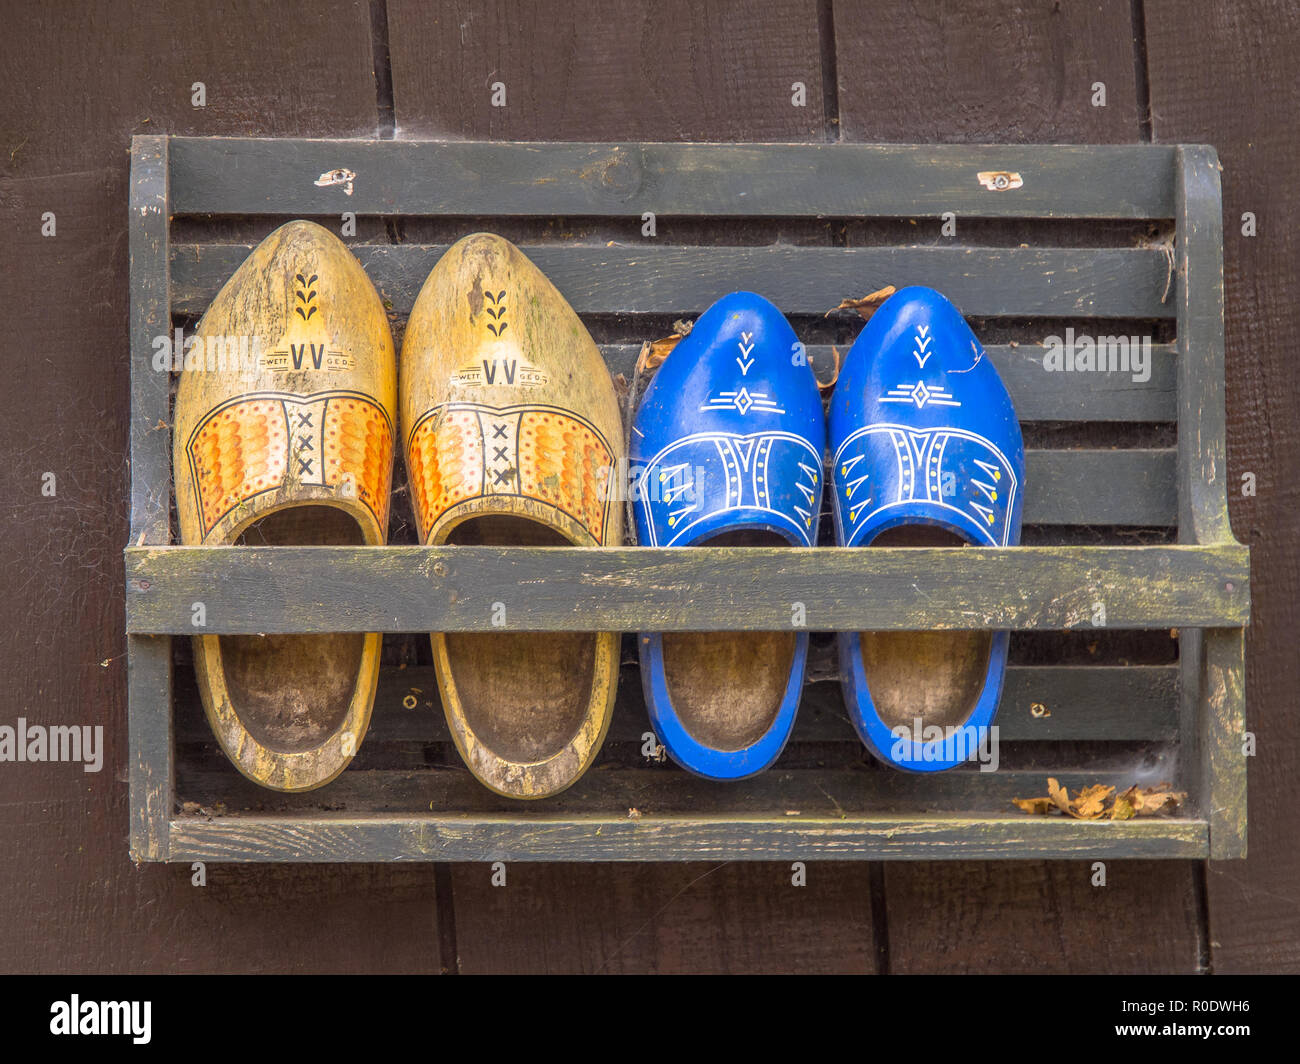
column 1126, row 505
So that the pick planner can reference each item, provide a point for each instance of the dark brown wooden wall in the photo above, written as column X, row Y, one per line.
column 79, row 80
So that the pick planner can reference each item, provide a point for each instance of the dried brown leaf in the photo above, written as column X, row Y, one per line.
column 1059, row 795
column 866, row 306
column 653, row 352
column 1090, row 804
column 1152, row 800
column 1099, row 801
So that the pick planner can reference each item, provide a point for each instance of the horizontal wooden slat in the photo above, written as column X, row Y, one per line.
column 621, row 838
column 857, row 789
column 247, row 176
column 1131, row 488
column 1111, row 702
column 983, row 282
column 413, row 589
column 1039, row 394
column 1123, row 488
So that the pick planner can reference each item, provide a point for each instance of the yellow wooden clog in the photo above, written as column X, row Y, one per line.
column 511, row 428
column 284, row 435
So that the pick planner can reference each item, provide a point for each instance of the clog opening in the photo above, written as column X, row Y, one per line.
column 934, row 676
column 292, row 692
column 523, row 694
column 727, row 687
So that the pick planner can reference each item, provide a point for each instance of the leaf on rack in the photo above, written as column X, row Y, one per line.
column 654, row 352
column 866, row 306
column 1099, row 801
column 1158, row 799
column 1091, row 802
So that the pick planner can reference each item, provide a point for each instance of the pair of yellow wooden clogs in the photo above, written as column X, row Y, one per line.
column 510, row 425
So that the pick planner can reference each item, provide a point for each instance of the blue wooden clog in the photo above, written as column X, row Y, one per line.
column 926, row 450
column 727, row 449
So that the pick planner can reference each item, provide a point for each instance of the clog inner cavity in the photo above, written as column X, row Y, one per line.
column 524, row 694
column 936, row 676
column 726, row 687
column 292, row 692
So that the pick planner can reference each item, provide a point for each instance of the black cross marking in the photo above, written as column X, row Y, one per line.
column 499, row 431
column 304, row 443
column 500, row 454
column 502, row 475
column 304, row 419
column 304, row 464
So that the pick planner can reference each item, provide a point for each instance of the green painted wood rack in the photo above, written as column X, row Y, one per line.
column 842, row 806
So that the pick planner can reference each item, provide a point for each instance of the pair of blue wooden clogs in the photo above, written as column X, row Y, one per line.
column 728, row 447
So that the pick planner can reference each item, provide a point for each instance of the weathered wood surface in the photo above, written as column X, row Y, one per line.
column 150, row 771
column 1220, row 717
column 647, row 838
column 410, row 589
column 1112, row 702
column 825, row 787
column 1232, row 84
column 1202, row 463
column 666, row 918
column 1009, row 71
column 1043, row 917
column 983, row 282
column 1222, row 731
column 150, row 251
column 149, row 665
column 78, row 83
column 1016, row 71
column 1078, row 487
column 602, row 70
column 233, row 176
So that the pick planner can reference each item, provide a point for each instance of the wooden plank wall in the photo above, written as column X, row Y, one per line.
column 79, row 83
column 1011, row 72
column 1241, row 94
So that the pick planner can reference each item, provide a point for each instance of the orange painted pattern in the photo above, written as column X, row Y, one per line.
column 445, row 464
column 243, row 450
column 560, row 460
column 239, row 452
column 359, row 446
